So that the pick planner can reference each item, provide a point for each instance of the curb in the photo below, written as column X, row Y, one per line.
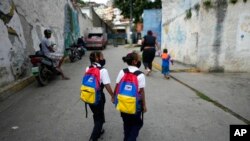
column 16, row 86
column 132, row 46
column 194, row 70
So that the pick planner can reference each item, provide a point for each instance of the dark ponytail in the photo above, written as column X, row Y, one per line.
column 93, row 55
column 125, row 59
column 130, row 58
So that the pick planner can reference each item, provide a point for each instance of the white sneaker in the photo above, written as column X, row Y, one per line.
column 148, row 72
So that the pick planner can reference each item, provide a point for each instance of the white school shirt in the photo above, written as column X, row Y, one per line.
column 141, row 77
column 104, row 76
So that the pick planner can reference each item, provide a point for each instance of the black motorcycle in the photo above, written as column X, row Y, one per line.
column 81, row 45
column 82, row 50
column 75, row 53
column 43, row 68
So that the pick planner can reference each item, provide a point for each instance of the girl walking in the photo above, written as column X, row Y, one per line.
column 131, row 83
column 166, row 58
column 97, row 61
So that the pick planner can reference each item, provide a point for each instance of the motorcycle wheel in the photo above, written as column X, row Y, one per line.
column 76, row 54
column 42, row 77
column 82, row 52
column 79, row 55
column 71, row 58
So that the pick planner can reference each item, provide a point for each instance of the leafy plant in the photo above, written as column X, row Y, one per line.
column 188, row 14
column 80, row 2
column 233, row 1
column 197, row 7
column 137, row 7
column 244, row 1
column 207, row 4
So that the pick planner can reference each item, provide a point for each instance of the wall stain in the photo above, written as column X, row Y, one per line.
column 7, row 17
column 12, row 31
column 221, row 11
column 3, row 72
column 27, row 28
column 18, row 61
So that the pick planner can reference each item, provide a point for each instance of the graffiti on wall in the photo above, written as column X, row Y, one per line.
column 243, row 35
column 176, row 34
column 71, row 27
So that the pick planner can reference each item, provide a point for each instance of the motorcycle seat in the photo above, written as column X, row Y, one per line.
column 32, row 56
column 43, row 56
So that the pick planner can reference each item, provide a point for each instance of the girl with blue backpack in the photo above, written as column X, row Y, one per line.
column 93, row 83
column 130, row 96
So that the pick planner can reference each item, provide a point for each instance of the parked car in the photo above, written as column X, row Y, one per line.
column 96, row 38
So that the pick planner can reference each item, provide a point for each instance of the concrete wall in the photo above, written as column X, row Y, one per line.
column 213, row 39
column 85, row 23
column 152, row 21
column 92, row 19
column 98, row 22
column 22, row 23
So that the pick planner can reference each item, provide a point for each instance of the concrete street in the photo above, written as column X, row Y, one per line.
column 175, row 112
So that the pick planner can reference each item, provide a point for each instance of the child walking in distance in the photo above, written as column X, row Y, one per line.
column 166, row 58
column 93, row 83
column 130, row 96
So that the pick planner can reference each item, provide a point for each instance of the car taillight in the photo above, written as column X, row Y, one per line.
column 35, row 60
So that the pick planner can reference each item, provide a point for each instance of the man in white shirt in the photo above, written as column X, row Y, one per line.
column 47, row 50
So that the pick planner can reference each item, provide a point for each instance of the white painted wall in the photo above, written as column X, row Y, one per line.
column 86, row 10
column 196, row 41
column 237, row 38
column 44, row 14
column 5, row 64
column 85, row 23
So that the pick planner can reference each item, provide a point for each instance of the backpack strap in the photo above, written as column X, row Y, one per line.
column 86, row 109
column 126, row 70
column 137, row 72
column 92, row 66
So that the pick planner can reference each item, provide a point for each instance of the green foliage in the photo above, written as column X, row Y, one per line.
column 207, row 4
column 197, row 7
column 233, row 1
column 244, row 1
column 80, row 2
column 7, row 17
column 188, row 14
column 137, row 7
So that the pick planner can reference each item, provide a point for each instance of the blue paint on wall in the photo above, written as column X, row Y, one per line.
column 177, row 35
column 152, row 21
